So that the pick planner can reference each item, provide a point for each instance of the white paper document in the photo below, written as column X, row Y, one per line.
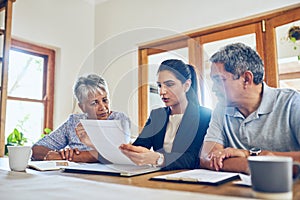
column 200, row 176
column 245, row 180
column 107, row 136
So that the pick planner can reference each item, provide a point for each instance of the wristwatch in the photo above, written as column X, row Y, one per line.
column 160, row 160
column 254, row 151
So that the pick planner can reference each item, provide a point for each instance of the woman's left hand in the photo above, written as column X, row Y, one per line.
column 139, row 155
column 68, row 154
column 53, row 155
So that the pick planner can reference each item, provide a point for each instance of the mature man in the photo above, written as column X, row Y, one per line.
column 251, row 118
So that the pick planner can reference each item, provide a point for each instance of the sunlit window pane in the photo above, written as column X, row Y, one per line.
column 154, row 61
column 288, row 53
column 27, row 117
column 209, row 49
column 25, row 76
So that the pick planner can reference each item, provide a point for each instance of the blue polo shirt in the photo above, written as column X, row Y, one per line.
column 274, row 126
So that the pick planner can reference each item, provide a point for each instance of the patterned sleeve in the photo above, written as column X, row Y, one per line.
column 58, row 139
column 125, row 122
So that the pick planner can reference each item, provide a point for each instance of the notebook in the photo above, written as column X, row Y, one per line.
column 50, row 165
column 198, row 176
column 107, row 136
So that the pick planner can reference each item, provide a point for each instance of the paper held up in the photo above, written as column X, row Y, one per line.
column 107, row 136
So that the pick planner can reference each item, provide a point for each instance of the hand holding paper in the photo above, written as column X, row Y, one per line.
column 139, row 155
column 82, row 135
column 107, row 136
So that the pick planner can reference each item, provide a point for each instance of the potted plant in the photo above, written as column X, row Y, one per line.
column 15, row 138
column 294, row 36
column 294, row 33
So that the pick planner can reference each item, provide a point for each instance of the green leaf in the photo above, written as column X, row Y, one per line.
column 10, row 138
column 16, row 138
column 293, row 39
column 47, row 130
column 18, row 135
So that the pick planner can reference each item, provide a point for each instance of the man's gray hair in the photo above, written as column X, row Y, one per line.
column 238, row 58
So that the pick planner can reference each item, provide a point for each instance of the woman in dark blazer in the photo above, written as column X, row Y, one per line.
column 175, row 133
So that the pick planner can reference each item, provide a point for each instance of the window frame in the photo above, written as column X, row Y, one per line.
column 262, row 25
column 49, row 72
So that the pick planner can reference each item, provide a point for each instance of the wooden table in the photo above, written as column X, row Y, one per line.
column 227, row 189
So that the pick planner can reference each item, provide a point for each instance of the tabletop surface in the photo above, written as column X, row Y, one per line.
column 93, row 185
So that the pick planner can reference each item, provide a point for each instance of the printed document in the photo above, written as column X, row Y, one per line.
column 107, row 136
column 200, row 176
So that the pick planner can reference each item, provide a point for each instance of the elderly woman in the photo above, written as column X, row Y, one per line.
column 63, row 143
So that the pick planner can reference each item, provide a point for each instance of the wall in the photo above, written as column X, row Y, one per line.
column 122, row 25
column 105, row 38
column 68, row 27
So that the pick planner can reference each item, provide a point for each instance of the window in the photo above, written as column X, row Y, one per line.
column 260, row 32
column 30, row 90
column 288, row 54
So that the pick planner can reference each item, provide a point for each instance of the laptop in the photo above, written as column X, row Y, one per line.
column 111, row 169
column 107, row 136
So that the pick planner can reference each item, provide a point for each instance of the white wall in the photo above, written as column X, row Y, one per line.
column 121, row 25
column 115, row 28
column 67, row 26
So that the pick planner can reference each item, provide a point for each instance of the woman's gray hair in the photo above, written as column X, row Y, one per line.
column 89, row 85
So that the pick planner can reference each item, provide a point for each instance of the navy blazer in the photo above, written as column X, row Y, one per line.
column 188, row 139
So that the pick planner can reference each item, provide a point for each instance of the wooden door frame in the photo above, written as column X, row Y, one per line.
column 7, row 7
column 193, row 40
column 269, row 40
